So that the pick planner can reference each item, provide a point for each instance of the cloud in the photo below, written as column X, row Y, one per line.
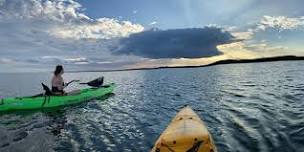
column 77, row 59
column 176, row 43
column 6, row 61
column 64, row 19
column 58, row 10
column 280, row 22
column 247, row 35
column 236, row 50
column 49, row 32
column 153, row 23
column 282, row 34
column 102, row 28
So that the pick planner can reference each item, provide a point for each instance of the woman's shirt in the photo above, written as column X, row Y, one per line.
column 57, row 81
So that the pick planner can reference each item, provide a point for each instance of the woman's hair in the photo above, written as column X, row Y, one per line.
column 58, row 69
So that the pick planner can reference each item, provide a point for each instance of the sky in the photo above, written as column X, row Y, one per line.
column 36, row 35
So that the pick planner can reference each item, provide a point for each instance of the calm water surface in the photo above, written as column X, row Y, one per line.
column 247, row 107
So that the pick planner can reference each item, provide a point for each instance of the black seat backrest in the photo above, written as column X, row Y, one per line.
column 47, row 90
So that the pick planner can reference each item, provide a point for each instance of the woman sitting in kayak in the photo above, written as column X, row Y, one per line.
column 57, row 81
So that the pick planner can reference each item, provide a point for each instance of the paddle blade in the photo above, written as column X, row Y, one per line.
column 95, row 83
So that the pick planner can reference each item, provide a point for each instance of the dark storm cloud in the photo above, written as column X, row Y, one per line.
column 176, row 43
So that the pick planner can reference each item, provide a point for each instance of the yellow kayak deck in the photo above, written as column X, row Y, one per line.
column 186, row 133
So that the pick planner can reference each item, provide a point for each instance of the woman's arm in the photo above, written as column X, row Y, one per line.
column 63, row 84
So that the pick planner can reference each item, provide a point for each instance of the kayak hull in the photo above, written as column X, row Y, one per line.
column 40, row 102
column 186, row 132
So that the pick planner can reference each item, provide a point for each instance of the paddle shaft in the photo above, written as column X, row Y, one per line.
column 71, row 82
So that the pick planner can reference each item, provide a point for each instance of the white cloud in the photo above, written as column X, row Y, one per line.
column 232, row 28
column 243, row 35
column 103, row 28
column 6, row 61
column 58, row 10
column 66, row 19
column 280, row 22
column 55, row 31
column 77, row 59
column 82, row 63
column 153, row 23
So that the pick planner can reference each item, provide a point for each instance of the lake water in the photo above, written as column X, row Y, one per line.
column 247, row 108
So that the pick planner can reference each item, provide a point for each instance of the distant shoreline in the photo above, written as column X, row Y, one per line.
column 222, row 62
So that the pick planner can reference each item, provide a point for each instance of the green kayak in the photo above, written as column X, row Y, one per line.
column 39, row 102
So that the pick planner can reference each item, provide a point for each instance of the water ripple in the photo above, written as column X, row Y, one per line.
column 247, row 107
